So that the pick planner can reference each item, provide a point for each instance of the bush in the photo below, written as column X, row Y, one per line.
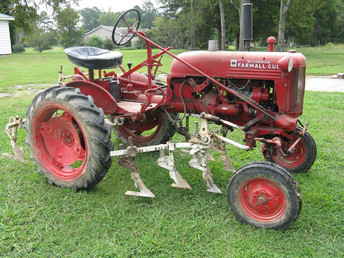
column 95, row 42
column 18, row 48
column 43, row 41
column 108, row 44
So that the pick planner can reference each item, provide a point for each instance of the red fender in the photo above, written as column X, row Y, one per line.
column 101, row 97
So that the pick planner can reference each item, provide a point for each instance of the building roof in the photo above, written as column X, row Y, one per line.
column 5, row 17
column 108, row 28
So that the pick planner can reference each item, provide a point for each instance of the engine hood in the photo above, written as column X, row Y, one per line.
column 237, row 64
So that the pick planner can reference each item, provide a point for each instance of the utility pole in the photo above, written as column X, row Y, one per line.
column 246, row 25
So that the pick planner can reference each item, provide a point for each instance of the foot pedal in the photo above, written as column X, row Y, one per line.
column 167, row 162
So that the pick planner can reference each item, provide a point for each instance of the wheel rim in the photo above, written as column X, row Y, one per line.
column 291, row 160
column 262, row 200
column 142, row 132
column 59, row 142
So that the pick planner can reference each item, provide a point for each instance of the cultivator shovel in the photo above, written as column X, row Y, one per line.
column 198, row 148
column 11, row 130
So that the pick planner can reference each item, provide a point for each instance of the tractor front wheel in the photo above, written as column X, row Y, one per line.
column 300, row 160
column 264, row 195
column 68, row 138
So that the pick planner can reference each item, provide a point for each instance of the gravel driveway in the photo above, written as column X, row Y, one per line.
column 324, row 84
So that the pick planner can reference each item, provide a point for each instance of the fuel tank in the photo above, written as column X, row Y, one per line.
column 227, row 64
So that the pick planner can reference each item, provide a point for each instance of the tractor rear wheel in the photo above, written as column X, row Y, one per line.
column 264, row 195
column 298, row 161
column 155, row 128
column 68, row 138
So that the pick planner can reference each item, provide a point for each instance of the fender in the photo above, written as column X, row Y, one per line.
column 101, row 97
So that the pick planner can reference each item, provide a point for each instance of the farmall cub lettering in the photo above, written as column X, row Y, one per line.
column 259, row 93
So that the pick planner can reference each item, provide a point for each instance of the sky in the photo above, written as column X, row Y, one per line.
column 114, row 5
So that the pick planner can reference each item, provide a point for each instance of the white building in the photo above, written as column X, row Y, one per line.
column 104, row 32
column 5, row 39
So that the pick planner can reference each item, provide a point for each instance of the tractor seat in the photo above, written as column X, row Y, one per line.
column 94, row 58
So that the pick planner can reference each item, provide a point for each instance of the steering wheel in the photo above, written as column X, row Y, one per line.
column 126, row 24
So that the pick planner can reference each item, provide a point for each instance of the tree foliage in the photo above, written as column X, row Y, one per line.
column 67, row 26
column 90, row 18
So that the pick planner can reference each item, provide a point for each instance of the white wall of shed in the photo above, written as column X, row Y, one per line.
column 5, row 39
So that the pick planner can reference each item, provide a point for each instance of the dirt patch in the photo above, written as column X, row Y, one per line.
column 5, row 95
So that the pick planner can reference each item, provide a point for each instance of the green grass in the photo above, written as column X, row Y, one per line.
column 39, row 220
column 32, row 67
column 324, row 60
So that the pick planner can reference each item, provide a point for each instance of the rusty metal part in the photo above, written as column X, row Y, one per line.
column 292, row 147
column 11, row 129
column 198, row 147
column 200, row 157
column 128, row 161
column 166, row 161
column 200, row 162
column 220, row 146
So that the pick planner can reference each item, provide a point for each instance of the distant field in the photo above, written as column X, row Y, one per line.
column 325, row 60
column 32, row 67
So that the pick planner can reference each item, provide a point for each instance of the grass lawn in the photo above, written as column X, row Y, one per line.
column 39, row 220
column 32, row 67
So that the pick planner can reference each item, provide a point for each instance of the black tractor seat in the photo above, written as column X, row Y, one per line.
column 94, row 58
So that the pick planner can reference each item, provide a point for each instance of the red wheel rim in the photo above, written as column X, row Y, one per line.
column 262, row 199
column 291, row 160
column 144, row 131
column 59, row 142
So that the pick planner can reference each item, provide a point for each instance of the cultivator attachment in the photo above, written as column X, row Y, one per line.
column 11, row 131
column 198, row 148
column 166, row 161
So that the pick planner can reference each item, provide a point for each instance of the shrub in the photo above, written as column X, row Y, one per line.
column 18, row 48
column 95, row 42
column 108, row 44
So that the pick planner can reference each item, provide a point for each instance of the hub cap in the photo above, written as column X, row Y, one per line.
column 59, row 143
column 262, row 200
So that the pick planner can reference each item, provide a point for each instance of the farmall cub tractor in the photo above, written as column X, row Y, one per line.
column 259, row 93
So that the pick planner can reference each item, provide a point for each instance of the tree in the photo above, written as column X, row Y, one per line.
column 90, row 18
column 68, row 31
column 108, row 18
column 42, row 40
column 223, row 25
column 282, row 23
column 148, row 12
column 43, row 36
column 25, row 13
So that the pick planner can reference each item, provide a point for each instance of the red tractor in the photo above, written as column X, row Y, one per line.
column 260, row 93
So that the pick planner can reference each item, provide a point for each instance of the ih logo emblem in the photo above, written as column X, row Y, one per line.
column 234, row 63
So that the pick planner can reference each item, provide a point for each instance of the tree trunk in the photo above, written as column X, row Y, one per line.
column 223, row 25
column 282, row 24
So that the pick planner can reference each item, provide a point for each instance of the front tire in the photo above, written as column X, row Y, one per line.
column 68, row 138
column 264, row 195
column 299, row 161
